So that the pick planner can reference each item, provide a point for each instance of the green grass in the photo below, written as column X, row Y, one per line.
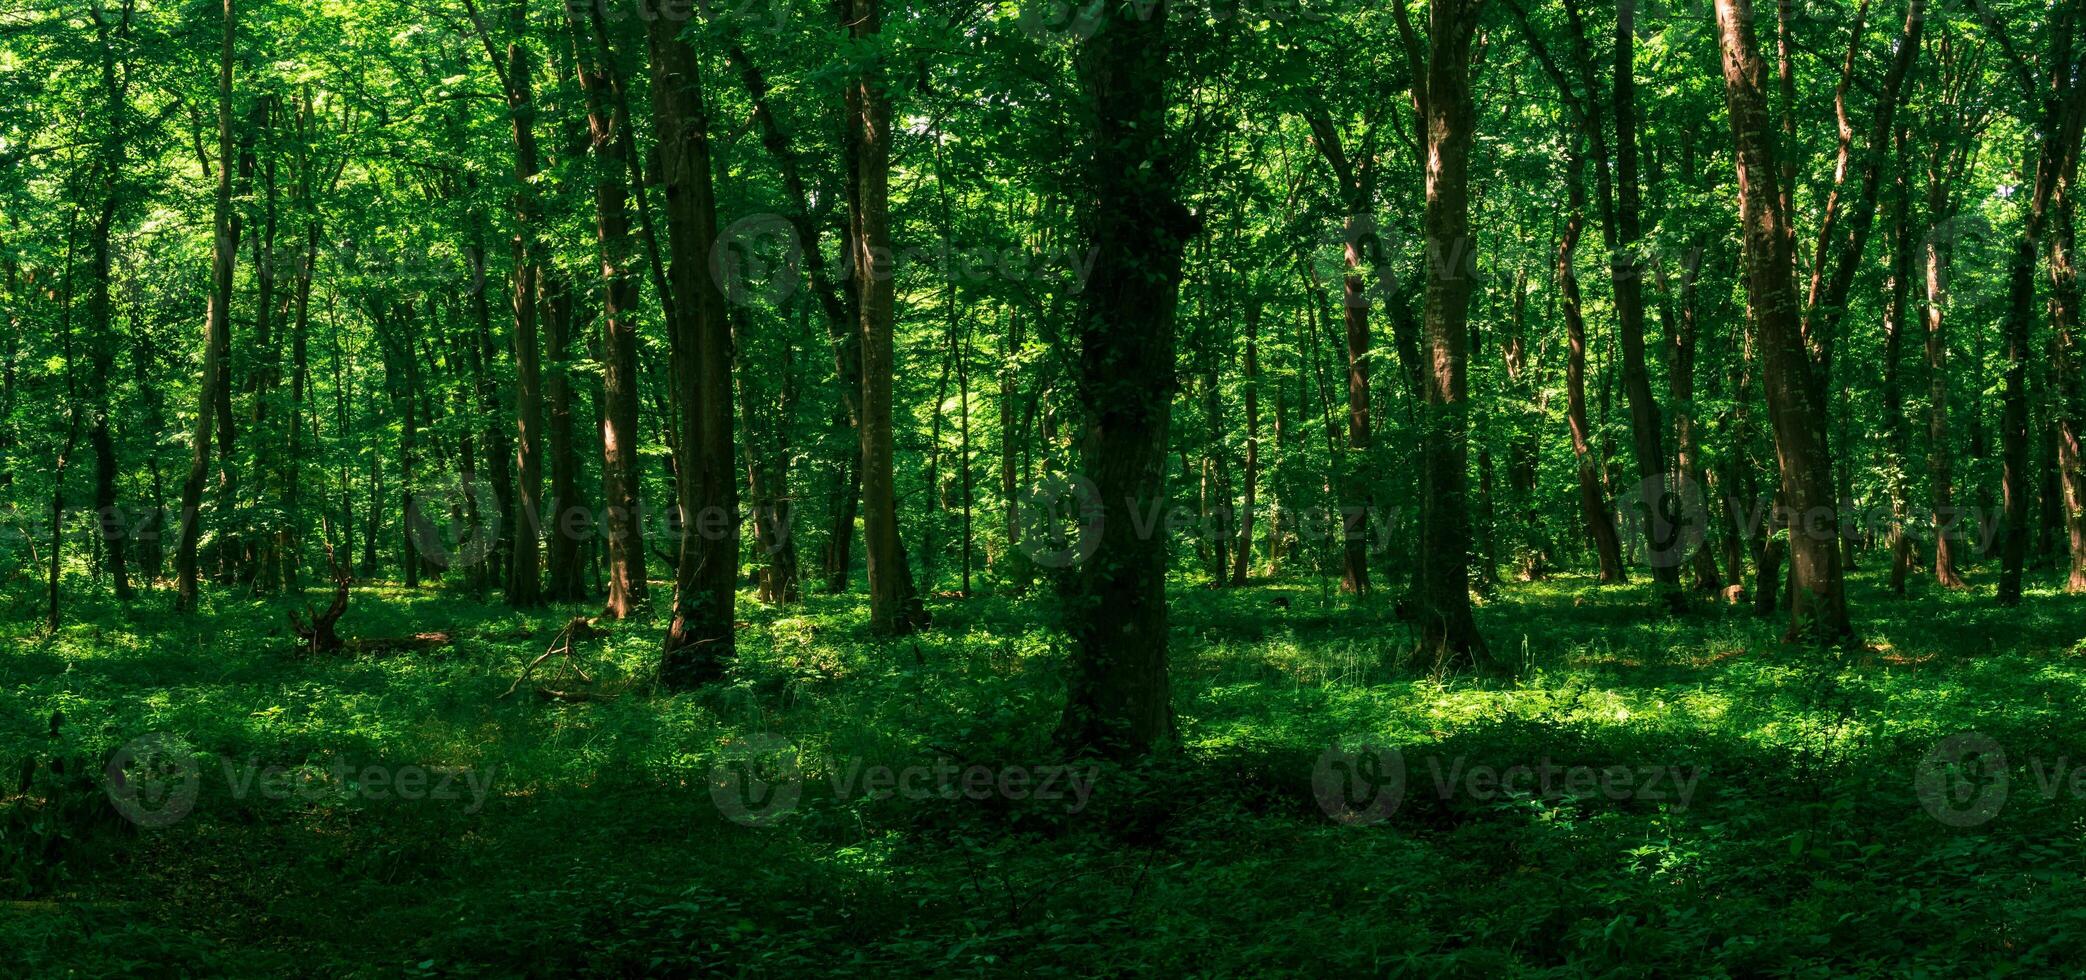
column 1804, row 848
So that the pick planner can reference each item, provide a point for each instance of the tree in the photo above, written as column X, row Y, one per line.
column 699, row 639
column 1119, row 700
column 216, row 331
column 894, row 605
column 1795, row 393
column 1593, row 500
column 2061, row 100
column 610, row 140
column 1448, row 629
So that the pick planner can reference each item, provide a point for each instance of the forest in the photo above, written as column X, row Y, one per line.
column 1043, row 487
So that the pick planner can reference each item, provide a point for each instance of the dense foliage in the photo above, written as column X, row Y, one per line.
column 600, row 399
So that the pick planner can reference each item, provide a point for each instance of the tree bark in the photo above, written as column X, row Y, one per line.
column 1449, row 634
column 699, row 641
column 1795, row 395
column 525, row 583
column 894, row 605
column 2070, row 371
column 1119, row 701
column 609, row 132
column 846, row 340
column 217, row 327
column 2057, row 134
column 1593, row 501
column 1661, row 519
column 571, row 524
column 113, row 525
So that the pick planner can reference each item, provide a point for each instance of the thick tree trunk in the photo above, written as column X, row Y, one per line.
column 1448, row 629
column 1119, row 701
column 1795, row 396
column 216, row 333
column 894, row 605
column 699, row 641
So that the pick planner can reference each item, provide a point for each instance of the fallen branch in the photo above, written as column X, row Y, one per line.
column 577, row 629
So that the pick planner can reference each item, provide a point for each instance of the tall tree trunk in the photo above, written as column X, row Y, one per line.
column 406, row 404
column 894, row 605
column 113, row 167
column 1795, row 394
column 290, row 537
column 1593, row 501
column 2058, row 134
column 767, row 475
column 216, row 333
column 699, row 641
column 72, row 421
column 260, row 558
column 525, row 582
column 619, row 434
column 1119, row 701
column 571, row 524
column 1940, row 452
column 2070, row 381
column 1448, row 630
column 1661, row 518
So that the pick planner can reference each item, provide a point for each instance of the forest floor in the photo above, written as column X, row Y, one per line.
column 1648, row 795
